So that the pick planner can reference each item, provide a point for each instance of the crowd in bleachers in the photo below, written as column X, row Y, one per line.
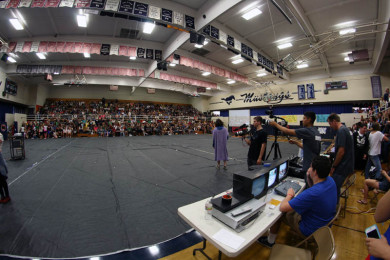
column 113, row 118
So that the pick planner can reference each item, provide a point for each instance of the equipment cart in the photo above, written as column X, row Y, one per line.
column 17, row 146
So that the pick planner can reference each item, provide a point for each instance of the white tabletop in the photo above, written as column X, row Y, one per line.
column 194, row 215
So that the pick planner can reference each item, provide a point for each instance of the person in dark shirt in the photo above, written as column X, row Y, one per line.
column 257, row 142
column 311, row 139
column 361, row 145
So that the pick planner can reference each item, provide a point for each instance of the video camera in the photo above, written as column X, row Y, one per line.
column 270, row 114
column 242, row 130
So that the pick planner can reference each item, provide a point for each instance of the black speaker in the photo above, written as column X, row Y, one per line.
column 164, row 66
column 200, row 39
column 193, row 37
column 159, row 65
column 4, row 57
column 176, row 56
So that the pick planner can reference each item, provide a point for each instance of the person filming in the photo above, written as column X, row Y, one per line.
column 311, row 139
column 257, row 142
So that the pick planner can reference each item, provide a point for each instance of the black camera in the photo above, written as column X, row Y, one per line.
column 242, row 130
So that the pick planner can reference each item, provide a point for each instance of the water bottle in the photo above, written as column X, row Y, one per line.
column 208, row 209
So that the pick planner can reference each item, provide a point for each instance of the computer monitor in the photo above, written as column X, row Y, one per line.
column 259, row 186
column 282, row 171
column 272, row 174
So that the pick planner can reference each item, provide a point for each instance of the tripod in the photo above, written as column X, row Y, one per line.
column 275, row 147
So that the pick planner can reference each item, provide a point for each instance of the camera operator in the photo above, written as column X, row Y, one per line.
column 309, row 134
column 257, row 142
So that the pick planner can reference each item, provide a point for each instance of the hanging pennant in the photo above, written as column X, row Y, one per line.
column 82, row 3
column 98, row 4
column 52, row 47
column 34, row 47
column 60, row 47
column 3, row 4
column 149, row 54
column 114, row 50
column 42, row 47
column 214, row 32
column 223, row 37
column 78, row 47
column 105, row 49
column 38, row 3
column 52, row 3
column 95, row 49
column 19, row 47
column 141, row 9
column 190, row 22
column 12, row 4
column 154, row 12
column 141, row 53
column 123, row 50
column 166, row 15
column 69, row 47
column 178, row 18
column 27, row 47
column 66, row 3
column 158, row 55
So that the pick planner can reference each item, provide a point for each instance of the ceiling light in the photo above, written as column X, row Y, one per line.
column 133, row 58
column 56, row 73
column 252, row 13
column 87, row 55
column 231, row 82
column 16, row 24
column 262, row 74
column 206, row 73
column 237, row 61
column 347, row 31
column 198, row 46
column 154, row 250
column 345, row 24
column 41, row 55
column 82, row 20
column 10, row 59
column 206, row 41
column 285, row 45
column 301, row 66
column 346, row 59
column 148, row 27
column 172, row 64
column 208, row 88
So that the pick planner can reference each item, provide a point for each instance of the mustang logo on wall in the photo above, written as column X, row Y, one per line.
column 269, row 98
column 229, row 99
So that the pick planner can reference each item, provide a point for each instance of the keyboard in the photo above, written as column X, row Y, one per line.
column 282, row 188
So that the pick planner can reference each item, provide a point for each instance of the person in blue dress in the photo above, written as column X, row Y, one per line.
column 220, row 137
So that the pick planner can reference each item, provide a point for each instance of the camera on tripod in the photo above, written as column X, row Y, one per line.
column 270, row 114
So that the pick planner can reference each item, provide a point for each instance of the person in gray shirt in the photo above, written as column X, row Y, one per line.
column 311, row 139
column 343, row 164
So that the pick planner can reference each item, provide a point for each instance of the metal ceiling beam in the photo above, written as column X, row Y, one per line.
column 206, row 14
column 299, row 13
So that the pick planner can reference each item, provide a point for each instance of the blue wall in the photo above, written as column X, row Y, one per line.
column 11, row 109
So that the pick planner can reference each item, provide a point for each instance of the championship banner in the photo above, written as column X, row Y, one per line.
column 126, row 6
column 82, row 3
column 42, row 47
column 141, row 9
column 24, row 3
column 38, row 3
column 214, row 32
column 141, row 53
column 52, row 47
column 52, row 3
column 105, row 49
column 149, row 54
column 223, row 37
column 123, row 50
column 66, row 3
column 13, row 4
column 19, row 47
column 87, row 47
column 114, row 50
column 178, row 18
column 95, row 49
column 27, row 47
column 98, row 4
column 255, row 57
column 78, row 47
column 166, row 15
column 3, row 4
column 237, row 44
column 158, row 55
column 60, row 47
column 154, row 12
column 190, row 21
column 34, row 47
column 112, row 5
column 69, row 47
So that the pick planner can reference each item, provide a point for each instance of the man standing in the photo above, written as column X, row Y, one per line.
column 315, row 207
column 360, row 140
column 257, row 142
column 344, row 160
column 311, row 138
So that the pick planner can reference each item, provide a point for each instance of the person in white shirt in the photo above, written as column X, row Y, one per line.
column 375, row 140
column 4, row 195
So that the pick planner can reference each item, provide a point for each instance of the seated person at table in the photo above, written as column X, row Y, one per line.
column 383, row 185
column 312, row 208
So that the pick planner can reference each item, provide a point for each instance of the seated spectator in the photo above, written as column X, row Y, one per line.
column 380, row 248
column 382, row 185
column 311, row 209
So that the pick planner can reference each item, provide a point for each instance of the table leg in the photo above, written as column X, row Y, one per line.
column 202, row 251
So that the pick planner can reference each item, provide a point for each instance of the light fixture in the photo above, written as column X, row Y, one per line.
column 154, row 250
column 82, row 20
column 172, row 64
column 346, row 59
column 347, row 31
column 301, row 66
column 10, row 59
column 198, row 46
column 95, row 258
column 206, row 41
column 87, row 55
column 285, row 45
column 208, row 88
column 149, row 27
column 262, row 74
column 206, row 73
column 252, row 13
column 237, row 61
column 133, row 58
column 231, row 81
column 16, row 24
column 41, row 55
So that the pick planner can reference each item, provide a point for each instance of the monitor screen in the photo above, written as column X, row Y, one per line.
column 258, row 186
column 271, row 177
column 282, row 171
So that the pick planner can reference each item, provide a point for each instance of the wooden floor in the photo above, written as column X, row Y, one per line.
column 348, row 232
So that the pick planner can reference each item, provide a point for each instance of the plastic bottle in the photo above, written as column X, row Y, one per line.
column 208, row 209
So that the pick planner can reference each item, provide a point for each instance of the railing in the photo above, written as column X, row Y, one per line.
column 123, row 117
